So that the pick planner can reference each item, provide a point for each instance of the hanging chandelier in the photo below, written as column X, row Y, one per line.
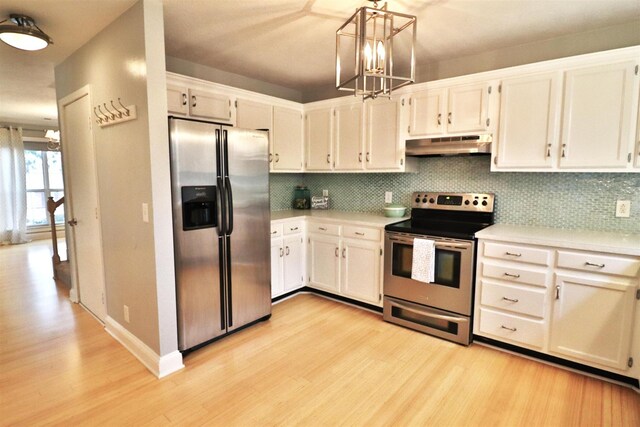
column 380, row 45
column 23, row 33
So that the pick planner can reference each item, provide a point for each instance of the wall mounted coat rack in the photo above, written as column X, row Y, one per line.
column 106, row 116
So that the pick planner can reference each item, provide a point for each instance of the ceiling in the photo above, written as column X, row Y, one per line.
column 285, row 42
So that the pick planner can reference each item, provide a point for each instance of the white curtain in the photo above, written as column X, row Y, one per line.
column 13, row 191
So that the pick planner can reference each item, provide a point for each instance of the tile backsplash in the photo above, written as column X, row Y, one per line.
column 560, row 200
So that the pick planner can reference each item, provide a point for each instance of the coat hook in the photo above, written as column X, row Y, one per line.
column 113, row 116
column 105, row 118
column 97, row 115
column 120, row 113
column 126, row 109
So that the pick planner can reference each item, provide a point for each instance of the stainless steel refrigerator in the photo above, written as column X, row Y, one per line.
column 221, row 223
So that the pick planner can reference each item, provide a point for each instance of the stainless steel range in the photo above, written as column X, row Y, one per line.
column 443, row 306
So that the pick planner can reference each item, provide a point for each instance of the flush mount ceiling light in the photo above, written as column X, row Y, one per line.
column 23, row 33
column 380, row 44
column 54, row 139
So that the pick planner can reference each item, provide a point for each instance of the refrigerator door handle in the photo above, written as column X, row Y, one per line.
column 219, row 205
column 229, row 285
column 229, row 206
column 223, row 311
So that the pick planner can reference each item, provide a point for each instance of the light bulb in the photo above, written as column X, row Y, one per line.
column 380, row 53
column 368, row 56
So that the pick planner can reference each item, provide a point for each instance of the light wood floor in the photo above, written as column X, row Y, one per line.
column 316, row 362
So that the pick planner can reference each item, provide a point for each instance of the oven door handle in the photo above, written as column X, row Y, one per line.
column 448, row 246
column 431, row 314
column 439, row 245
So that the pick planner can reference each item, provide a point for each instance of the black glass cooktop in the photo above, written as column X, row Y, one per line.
column 454, row 230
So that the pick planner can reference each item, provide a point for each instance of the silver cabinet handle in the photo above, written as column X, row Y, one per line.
column 549, row 150
column 558, row 292
column 510, row 299
column 329, row 158
column 184, row 99
column 368, row 157
column 193, row 99
column 357, row 233
column 590, row 264
column 277, row 157
column 287, row 251
column 564, row 146
column 322, row 228
column 515, row 276
column 343, row 252
column 274, row 232
column 439, row 119
column 513, row 254
column 360, row 157
column 73, row 222
column 293, row 228
column 508, row 329
column 270, row 157
column 281, row 252
column 337, row 256
column 449, row 118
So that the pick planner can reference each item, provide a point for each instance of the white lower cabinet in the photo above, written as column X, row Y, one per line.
column 346, row 260
column 287, row 257
column 573, row 304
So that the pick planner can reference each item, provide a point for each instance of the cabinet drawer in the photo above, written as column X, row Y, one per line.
column 293, row 227
column 276, row 230
column 517, row 253
column 323, row 228
column 361, row 233
column 520, row 274
column 512, row 328
column 597, row 263
column 513, row 298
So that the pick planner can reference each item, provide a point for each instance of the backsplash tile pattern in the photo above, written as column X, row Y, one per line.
column 560, row 200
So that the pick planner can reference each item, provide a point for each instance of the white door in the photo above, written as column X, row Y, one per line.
column 348, row 137
column 324, row 262
column 384, row 147
column 293, row 263
column 209, row 105
column 287, row 139
column 468, row 108
column 253, row 115
column 528, row 122
column 177, row 100
column 277, row 257
column 427, row 112
column 81, row 200
column 318, row 139
column 360, row 270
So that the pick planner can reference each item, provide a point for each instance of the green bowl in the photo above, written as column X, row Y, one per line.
column 394, row 211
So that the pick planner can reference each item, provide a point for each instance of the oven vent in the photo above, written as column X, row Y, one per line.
column 449, row 145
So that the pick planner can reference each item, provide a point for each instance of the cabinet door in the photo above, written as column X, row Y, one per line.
column 427, row 113
column 592, row 319
column 287, row 139
column 209, row 105
column 318, row 140
column 528, row 122
column 598, row 115
column 360, row 270
column 348, row 137
column 468, row 108
column 293, row 262
column 384, row 147
column 253, row 115
column 277, row 257
column 324, row 262
column 177, row 100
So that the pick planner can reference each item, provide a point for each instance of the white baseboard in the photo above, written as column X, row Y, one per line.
column 160, row 366
column 73, row 295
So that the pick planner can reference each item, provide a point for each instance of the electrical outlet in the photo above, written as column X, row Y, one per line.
column 145, row 212
column 325, row 193
column 126, row 313
column 623, row 208
column 388, row 197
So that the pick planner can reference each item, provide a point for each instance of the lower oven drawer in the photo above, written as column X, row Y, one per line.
column 512, row 328
column 450, row 326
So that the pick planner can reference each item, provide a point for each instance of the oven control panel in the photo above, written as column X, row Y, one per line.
column 472, row 202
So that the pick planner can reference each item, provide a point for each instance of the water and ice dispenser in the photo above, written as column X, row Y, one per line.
column 199, row 208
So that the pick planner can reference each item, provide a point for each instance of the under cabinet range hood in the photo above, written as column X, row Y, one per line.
column 449, row 145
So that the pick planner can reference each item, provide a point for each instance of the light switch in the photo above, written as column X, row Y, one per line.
column 145, row 212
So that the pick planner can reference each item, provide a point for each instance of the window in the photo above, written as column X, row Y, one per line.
column 44, row 179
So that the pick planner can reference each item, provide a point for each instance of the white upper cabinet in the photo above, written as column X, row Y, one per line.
column 528, row 129
column 384, row 148
column 209, row 105
column 253, row 115
column 287, row 139
column 318, row 140
column 453, row 110
column 348, row 142
column 599, row 116
column 177, row 99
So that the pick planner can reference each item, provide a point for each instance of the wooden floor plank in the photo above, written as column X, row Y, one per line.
column 315, row 362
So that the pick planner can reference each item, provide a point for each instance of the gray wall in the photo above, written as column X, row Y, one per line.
column 132, row 167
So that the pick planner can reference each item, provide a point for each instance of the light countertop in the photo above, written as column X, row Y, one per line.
column 600, row 241
column 358, row 218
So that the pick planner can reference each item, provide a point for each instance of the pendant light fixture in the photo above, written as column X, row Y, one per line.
column 23, row 33
column 380, row 45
